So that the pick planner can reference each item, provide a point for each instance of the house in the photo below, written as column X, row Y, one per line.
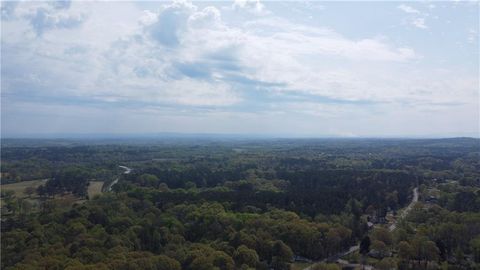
column 431, row 200
column 378, row 254
column 375, row 219
column 297, row 258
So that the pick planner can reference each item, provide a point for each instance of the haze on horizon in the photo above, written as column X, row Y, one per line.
column 348, row 69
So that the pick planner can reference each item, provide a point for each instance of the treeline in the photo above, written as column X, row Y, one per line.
column 242, row 204
column 308, row 192
column 452, row 158
column 122, row 232
column 435, row 237
column 73, row 180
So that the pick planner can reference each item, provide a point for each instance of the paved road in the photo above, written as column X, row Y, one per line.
column 406, row 211
column 127, row 171
column 336, row 257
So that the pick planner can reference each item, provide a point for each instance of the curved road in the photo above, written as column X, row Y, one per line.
column 354, row 248
column 127, row 171
column 406, row 211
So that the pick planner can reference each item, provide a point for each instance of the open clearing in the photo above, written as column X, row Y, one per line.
column 300, row 265
column 94, row 188
column 19, row 188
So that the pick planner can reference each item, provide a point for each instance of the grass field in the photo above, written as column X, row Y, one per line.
column 19, row 188
column 94, row 188
column 300, row 266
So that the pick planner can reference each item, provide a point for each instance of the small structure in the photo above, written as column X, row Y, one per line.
column 370, row 225
column 431, row 200
column 377, row 254
column 297, row 258
column 377, row 218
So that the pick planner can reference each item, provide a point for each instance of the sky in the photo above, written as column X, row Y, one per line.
column 303, row 68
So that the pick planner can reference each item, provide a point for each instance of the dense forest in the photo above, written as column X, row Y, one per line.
column 242, row 204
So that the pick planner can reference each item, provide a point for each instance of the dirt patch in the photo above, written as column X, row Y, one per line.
column 94, row 188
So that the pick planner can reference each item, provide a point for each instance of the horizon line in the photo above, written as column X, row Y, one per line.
column 184, row 135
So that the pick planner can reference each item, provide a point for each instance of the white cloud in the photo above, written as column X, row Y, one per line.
column 254, row 6
column 148, row 18
column 472, row 36
column 419, row 23
column 187, row 56
column 45, row 16
column 190, row 57
column 408, row 9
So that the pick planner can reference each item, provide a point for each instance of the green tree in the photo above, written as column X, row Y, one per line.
column 282, row 255
column 244, row 255
column 405, row 251
column 380, row 248
column 424, row 250
column 386, row 264
column 29, row 191
column 281, row 250
column 365, row 245
column 475, row 244
column 325, row 266
column 201, row 263
column 223, row 261
column 383, row 235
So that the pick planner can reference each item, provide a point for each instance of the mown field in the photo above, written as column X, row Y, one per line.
column 19, row 188
column 94, row 188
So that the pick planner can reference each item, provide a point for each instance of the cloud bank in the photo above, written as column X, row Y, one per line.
column 188, row 59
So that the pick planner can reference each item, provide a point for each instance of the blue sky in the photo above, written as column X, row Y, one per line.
column 350, row 69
